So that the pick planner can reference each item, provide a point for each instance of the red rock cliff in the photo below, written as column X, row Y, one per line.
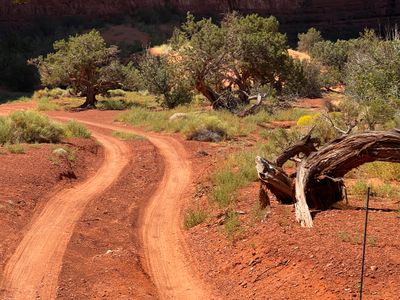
column 292, row 13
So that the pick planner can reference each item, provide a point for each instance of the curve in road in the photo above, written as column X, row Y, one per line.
column 32, row 271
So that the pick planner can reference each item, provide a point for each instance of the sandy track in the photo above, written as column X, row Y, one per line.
column 166, row 256
column 32, row 271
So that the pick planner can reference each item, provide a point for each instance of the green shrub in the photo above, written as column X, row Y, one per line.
column 75, row 129
column 55, row 93
column 114, row 105
column 16, row 149
column 384, row 170
column 359, row 188
column 205, row 128
column 231, row 224
column 45, row 104
column 29, row 127
column 194, row 217
column 308, row 40
column 304, row 80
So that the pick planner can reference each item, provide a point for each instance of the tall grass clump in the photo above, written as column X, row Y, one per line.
column 194, row 217
column 237, row 172
column 29, row 127
column 75, row 129
column 45, row 104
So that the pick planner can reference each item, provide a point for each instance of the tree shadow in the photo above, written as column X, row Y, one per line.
column 7, row 97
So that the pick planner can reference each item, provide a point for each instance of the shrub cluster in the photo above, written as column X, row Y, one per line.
column 32, row 127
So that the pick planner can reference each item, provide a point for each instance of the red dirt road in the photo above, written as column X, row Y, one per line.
column 167, row 258
column 33, row 270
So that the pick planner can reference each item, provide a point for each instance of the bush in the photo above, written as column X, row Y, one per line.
column 114, row 105
column 28, row 127
column 45, row 104
column 304, row 80
column 76, row 129
column 161, row 78
column 373, row 77
column 308, row 40
column 205, row 128
column 55, row 93
column 16, row 149
column 194, row 217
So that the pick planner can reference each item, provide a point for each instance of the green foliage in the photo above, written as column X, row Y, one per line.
column 115, row 104
column 45, row 104
column 231, row 224
column 308, row 40
column 55, row 93
column 127, row 136
column 83, row 63
column 333, row 56
column 237, row 172
column 373, row 79
column 75, row 129
column 223, row 123
column 383, row 170
column 15, row 149
column 194, row 217
column 28, row 127
column 160, row 77
column 241, row 52
column 304, row 80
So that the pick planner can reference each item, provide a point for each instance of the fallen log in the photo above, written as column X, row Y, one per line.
column 319, row 177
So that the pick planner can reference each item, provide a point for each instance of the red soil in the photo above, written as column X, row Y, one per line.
column 28, row 179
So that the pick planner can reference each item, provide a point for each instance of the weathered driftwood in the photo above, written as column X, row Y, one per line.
column 319, row 177
column 276, row 180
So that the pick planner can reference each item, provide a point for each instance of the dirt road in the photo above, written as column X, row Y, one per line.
column 166, row 256
column 33, row 270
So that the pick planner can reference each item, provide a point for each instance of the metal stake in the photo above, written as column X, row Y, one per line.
column 364, row 243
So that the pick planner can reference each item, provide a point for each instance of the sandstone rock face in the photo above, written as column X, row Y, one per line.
column 292, row 13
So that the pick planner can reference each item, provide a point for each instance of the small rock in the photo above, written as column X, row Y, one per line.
column 109, row 252
column 178, row 116
column 374, row 268
column 203, row 153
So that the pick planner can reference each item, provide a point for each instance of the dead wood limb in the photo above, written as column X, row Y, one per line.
column 251, row 110
column 276, row 180
column 319, row 177
column 306, row 145
column 345, row 132
column 324, row 169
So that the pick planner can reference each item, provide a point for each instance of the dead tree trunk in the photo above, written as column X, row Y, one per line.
column 319, row 177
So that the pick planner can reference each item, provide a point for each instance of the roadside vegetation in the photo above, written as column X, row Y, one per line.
column 30, row 127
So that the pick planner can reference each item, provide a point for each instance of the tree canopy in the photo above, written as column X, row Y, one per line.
column 83, row 63
column 224, row 62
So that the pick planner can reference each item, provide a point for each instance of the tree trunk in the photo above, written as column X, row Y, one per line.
column 90, row 101
column 319, row 178
column 209, row 94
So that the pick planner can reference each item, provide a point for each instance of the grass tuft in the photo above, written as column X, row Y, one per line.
column 15, row 149
column 75, row 129
column 194, row 217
